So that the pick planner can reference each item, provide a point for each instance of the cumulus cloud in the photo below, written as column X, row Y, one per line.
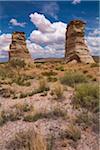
column 5, row 40
column 49, row 37
column 14, row 22
column 76, row 2
column 93, row 40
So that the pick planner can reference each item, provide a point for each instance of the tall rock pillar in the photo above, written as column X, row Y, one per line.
column 18, row 48
column 75, row 46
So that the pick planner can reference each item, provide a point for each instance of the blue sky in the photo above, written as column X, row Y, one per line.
column 25, row 16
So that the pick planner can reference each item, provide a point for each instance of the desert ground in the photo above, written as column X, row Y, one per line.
column 49, row 106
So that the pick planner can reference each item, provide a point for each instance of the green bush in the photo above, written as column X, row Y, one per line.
column 72, row 78
column 87, row 96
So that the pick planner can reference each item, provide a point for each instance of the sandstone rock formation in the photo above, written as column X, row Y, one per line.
column 18, row 48
column 75, row 46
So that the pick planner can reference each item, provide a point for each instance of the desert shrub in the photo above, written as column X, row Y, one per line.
column 87, row 96
column 2, row 120
column 87, row 119
column 94, row 65
column 84, row 119
column 23, row 107
column 22, row 81
column 6, row 72
column 57, row 90
column 32, row 117
column 38, row 65
column 23, row 95
column 43, row 86
column 49, row 73
column 50, row 142
column 10, row 115
column 52, row 79
column 72, row 132
column 60, row 68
column 56, row 112
column 17, row 63
column 72, row 78
column 6, row 92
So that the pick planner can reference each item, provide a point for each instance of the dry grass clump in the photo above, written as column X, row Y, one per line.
column 21, row 80
column 73, row 78
column 15, row 113
column 84, row 119
column 60, row 68
column 94, row 65
column 87, row 96
column 57, row 90
column 73, row 132
column 54, row 113
column 52, row 79
column 6, row 92
column 27, row 140
column 87, row 119
column 10, row 115
column 43, row 86
column 49, row 73
column 24, row 107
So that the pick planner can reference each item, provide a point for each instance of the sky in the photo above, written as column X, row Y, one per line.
column 45, row 22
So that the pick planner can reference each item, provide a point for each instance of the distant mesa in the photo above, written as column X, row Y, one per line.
column 75, row 46
column 18, row 48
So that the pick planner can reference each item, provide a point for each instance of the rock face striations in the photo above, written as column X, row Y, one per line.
column 75, row 46
column 18, row 48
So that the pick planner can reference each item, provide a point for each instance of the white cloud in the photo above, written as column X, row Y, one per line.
column 96, row 32
column 5, row 40
column 14, row 22
column 51, row 9
column 76, row 2
column 94, row 45
column 93, row 40
column 0, row 31
column 48, row 39
column 41, row 22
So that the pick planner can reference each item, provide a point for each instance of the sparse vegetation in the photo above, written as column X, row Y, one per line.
column 57, row 90
column 60, row 68
column 43, row 86
column 73, row 132
column 84, row 119
column 95, row 65
column 56, row 112
column 73, row 78
column 87, row 96
column 49, row 73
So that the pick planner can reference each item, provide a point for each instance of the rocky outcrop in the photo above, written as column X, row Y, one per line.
column 18, row 48
column 75, row 46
